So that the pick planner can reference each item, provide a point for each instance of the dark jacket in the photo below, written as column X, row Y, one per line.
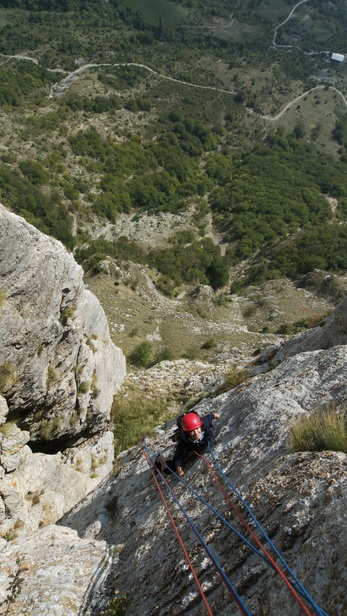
column 185, row 445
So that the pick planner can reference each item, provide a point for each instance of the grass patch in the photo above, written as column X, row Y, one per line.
column 83, row 387
column 7, row 377
column 117, row 606
column 3, row 296
column 232, row 380
column 135, row 416
column 51, row 376
column 320, row 431
column 209, row 344
column 7, row 428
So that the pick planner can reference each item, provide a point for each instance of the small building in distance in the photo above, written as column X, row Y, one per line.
column 338, row 57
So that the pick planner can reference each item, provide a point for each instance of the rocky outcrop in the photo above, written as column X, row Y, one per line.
column 59, row 371
column 331, row 332
column 300, row 499
column 39, row 576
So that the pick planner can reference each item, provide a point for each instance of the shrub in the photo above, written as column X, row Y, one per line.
column 141, row 356
column 209, row 344
column 286, row 329
column 321, row 430
column 83, row 387
column 163, row 355
column 117, row 606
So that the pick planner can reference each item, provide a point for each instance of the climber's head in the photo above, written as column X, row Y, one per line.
column 192, row 425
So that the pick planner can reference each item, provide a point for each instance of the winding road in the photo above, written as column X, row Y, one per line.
column 59, row 88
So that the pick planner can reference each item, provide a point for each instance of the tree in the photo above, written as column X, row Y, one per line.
column 142, row 355
column 217, row 273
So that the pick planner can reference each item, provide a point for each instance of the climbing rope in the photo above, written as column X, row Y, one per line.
column 300, row 586
column 295, row 586
column 180, row 540
column 236, row 597
column 268, row 559
column 265, row 555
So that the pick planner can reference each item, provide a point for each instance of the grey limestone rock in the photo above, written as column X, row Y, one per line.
column 331, row 332
column 59, row 371
column 61, row 366
column 48, row 572
column 299, row 498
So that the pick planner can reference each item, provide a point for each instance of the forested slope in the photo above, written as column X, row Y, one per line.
column 234, row 110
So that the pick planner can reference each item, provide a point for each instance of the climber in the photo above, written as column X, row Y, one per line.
column 195, row 433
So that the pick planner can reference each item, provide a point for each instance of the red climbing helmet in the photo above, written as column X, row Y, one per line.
column 191, row 421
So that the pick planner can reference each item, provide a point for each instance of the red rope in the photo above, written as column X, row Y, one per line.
column 202, row 594
column 260, row 545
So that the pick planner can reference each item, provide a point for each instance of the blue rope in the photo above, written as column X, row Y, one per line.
column 219, row 515
column 300, row 586
column 203, row 543
column 234, row 530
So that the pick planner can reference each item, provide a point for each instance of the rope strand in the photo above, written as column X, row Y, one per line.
column 300, row 586
column 270, row 560
column 236, row 597
column 180, row 540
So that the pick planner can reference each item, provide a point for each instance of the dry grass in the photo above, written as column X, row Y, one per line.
column 7, row 377
column 322, row 430
column 135, row 416
column 3, row 296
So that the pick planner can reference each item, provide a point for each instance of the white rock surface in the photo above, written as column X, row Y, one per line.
column 54, row 338
column 48, row 572
column 59, row 371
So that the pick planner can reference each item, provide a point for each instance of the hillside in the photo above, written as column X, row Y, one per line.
column 81, row 530
column 89, row 132
column 203, row 143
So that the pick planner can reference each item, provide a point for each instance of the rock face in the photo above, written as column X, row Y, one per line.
column 299, row 498
column 333, row 331
column 59, row 371
column 55, row 567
